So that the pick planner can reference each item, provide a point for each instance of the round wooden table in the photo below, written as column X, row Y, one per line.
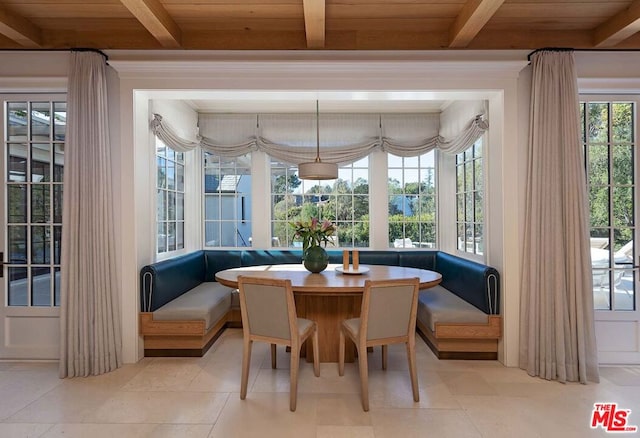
column 328, row 297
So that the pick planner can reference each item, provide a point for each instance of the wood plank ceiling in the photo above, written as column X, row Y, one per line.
column 319, row 24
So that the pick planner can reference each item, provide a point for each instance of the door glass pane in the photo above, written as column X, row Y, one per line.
column 40, row 163
column 40, row 245
column 40, row 203
column 41, row 286
column 17, row 162
column 34, row 142
column 57, row 244
column 17, row 244
column 60, row 120
column 18, row 286
column 17, row 203
column 56, row 287
column 40, row 121
column 609, row 147
column 58, row 167
column 17, row 121
column 57, row 203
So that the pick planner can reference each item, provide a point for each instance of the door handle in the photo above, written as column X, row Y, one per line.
column 3, row 264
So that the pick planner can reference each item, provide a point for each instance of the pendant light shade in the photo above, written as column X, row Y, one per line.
column 317, row 169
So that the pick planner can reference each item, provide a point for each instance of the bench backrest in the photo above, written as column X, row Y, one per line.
column 161, row 282
column 474, row 282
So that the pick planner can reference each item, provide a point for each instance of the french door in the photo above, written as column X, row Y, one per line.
column 33, row 134
column 609, row 137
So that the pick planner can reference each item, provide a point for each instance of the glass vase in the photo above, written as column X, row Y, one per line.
column 315, row 259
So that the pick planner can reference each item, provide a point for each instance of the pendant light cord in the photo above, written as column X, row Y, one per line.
column 317, row 131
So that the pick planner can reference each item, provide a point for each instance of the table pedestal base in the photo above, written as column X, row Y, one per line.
column 328, row 312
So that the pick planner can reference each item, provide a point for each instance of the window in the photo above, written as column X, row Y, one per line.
column 227, row 201
column 170, row 198
column 608, row 137
column 412, row 201
column 469, row 200
column 34, row 141
column 344, row 201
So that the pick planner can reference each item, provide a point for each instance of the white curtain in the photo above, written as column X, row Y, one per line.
column 557, row 335
column 344, row 138
column 91, row 341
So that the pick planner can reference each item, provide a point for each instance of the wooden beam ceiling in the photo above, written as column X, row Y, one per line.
column 474, row 15
column 19, row 29
column 156, row 20
column 314, row 23
column 319, row 24
column 618, row 28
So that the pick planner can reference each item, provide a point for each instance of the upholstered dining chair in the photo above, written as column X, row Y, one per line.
column 269, row 315
column 387, row 316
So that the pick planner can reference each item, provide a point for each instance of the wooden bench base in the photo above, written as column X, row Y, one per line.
column 463, row 340
column 182, row 338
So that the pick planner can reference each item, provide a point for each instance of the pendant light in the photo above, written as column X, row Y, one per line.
column 317, row 169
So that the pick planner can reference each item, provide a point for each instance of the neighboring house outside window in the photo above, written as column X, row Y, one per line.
column 227, row 201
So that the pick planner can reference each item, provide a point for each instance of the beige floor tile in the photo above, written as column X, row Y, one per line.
column 20, row 388
column 23, row 430
column 100, row 430
column 67, row 403
column 345, row 432
column 113, row 380
column 392, row 389
column 222, row 378
column 528, row 417
column 466, row 383
column 166, row 374
column 267, row 415
column 341, row 410
column 410, row 423
column 181, row 431
column 160, row 407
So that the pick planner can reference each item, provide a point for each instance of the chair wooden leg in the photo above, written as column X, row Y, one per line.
column 273, row 356
column 341, row 347
column 384, row 357
column 411, row 354
column 364, row 376
column 316, row 352
column 246, row 362
column 293, row 385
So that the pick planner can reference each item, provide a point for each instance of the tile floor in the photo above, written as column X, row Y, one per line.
column 199, row 397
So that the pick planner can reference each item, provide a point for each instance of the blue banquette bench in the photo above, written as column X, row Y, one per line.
column 184, row 310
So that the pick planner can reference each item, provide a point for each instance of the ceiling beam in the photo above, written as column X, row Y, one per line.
column 619, row 27
column 314, row 22
column 472, row 18
column 155, row 18
column 19, row 29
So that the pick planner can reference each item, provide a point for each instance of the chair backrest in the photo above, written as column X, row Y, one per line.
column 267, row 307
column 389, row 308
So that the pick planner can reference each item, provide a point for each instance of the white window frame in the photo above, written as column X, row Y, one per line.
column 170, row 253
column 473, row 254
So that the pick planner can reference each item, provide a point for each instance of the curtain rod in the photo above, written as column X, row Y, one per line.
column 72, row 49
column 570, row 49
